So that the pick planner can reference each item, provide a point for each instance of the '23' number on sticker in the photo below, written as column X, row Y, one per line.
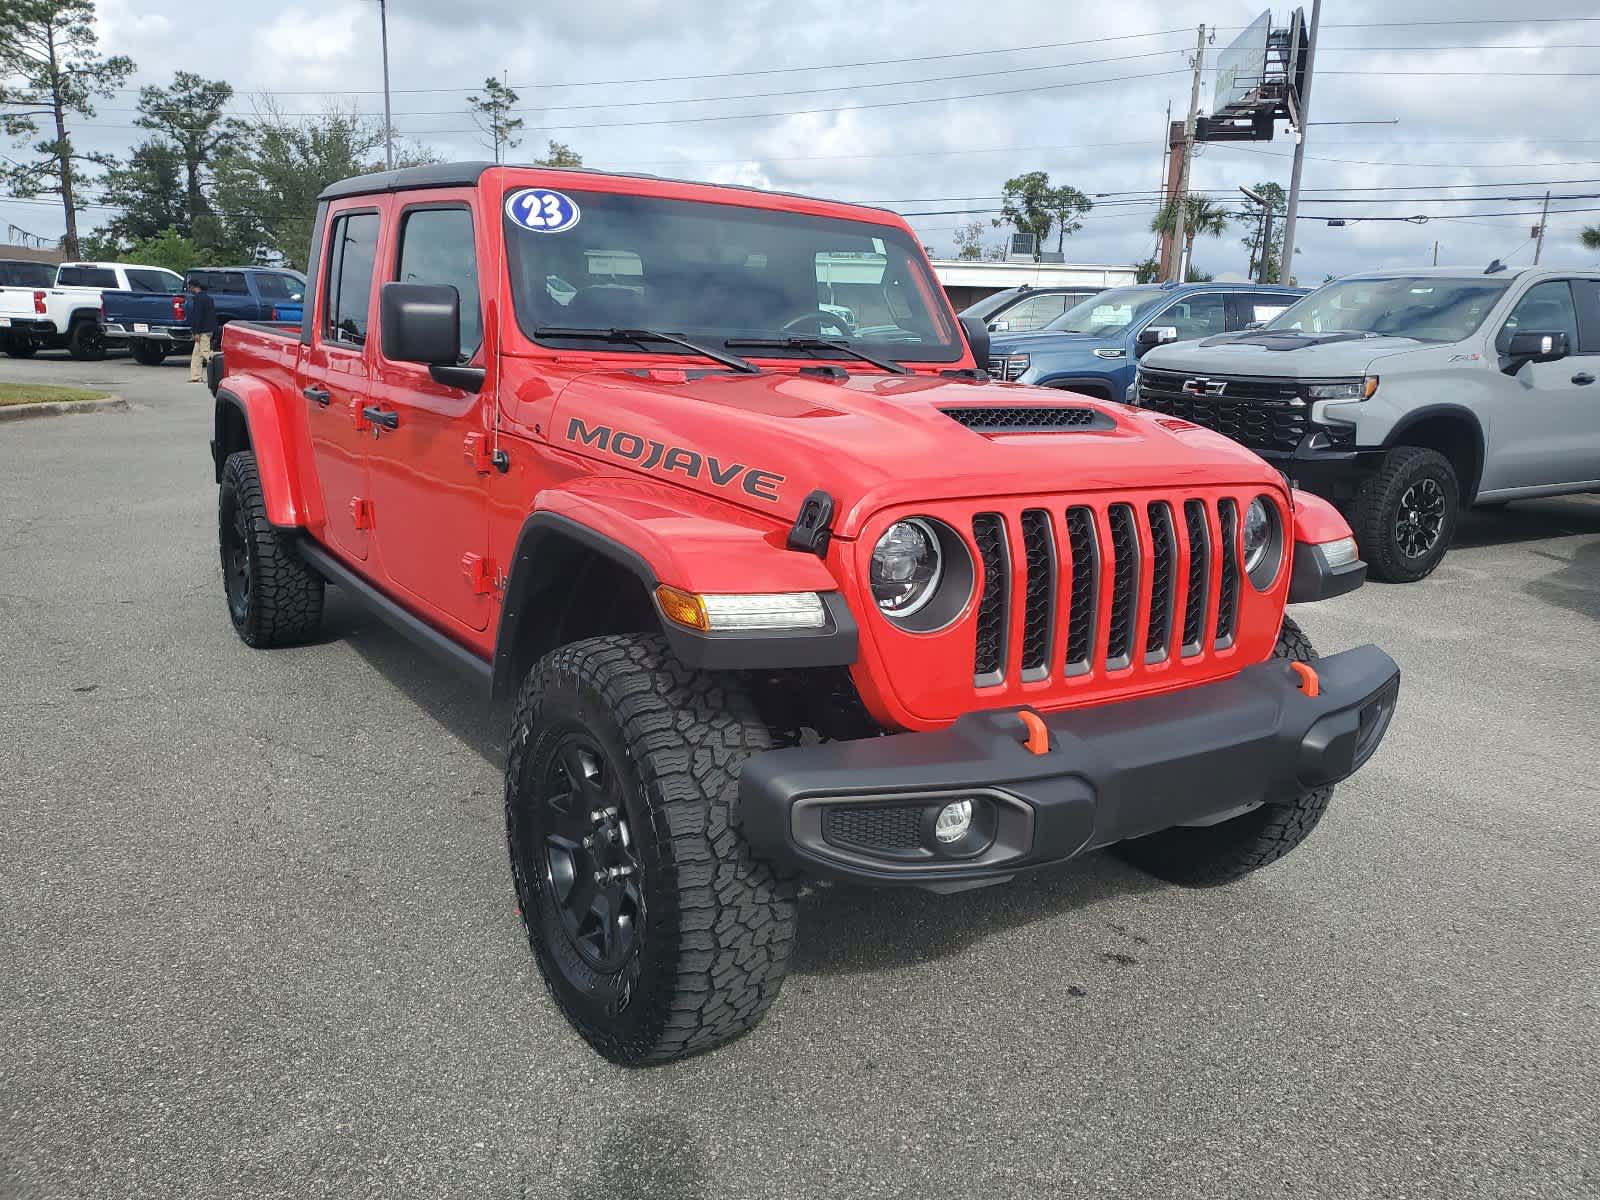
column 542, row 210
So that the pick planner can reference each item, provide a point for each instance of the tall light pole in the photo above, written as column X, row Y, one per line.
column 1285, row 268
column 1266, row 231
column 388, row 115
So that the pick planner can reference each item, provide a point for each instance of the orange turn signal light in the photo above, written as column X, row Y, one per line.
column 682, row 608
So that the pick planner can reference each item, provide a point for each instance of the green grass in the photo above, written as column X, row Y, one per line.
column 34, row 393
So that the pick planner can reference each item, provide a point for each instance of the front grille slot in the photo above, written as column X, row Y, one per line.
column 1263, row 414
column 883, row 829
column 1085, row 549
column 1038, row 610
column 1104, row 589
column 1228, row 596
column 994, row 610
column 1199, row 582
column 1124, row 587
column 1163, row 580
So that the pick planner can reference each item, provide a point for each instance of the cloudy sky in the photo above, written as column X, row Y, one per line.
column 928, row 107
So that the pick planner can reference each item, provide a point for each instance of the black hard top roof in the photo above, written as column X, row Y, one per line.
column 467, row 174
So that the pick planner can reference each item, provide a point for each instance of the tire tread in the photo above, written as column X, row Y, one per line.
column 731, row 935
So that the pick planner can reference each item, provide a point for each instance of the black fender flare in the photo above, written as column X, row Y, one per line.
column 836, row 644
column 1469, row 487
column 1078, row 383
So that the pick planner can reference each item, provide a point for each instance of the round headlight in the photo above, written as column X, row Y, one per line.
column 1257, row 534
column 906, row 566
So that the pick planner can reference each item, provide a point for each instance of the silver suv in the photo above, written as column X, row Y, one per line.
column 1405, row 396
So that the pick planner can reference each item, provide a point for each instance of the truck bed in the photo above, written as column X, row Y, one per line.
column 142, row 314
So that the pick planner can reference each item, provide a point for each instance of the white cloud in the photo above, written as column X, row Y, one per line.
column 1491, row 124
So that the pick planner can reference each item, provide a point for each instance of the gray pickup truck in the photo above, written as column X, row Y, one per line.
column 1406, row 396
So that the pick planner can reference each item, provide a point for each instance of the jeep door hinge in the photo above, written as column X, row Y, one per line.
column 482, row 575
column 357, row 417
column 361, row 512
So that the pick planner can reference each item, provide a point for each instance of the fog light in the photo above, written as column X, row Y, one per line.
column 953, row 822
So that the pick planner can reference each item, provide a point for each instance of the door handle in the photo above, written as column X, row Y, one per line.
column 1583, row 377
column 389, row 420
column 320, row 395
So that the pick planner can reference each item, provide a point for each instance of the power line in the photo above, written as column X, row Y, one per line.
column 843, row 87
column 879, row 62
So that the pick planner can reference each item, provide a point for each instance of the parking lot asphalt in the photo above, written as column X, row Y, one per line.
column 258, row 938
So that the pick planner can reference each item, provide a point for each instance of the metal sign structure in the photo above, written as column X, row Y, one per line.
column 1242, row 65
column 1260, row 79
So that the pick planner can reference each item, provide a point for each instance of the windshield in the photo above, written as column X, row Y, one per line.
column 719, row 272
column 1109, row 312
column 1424, row 307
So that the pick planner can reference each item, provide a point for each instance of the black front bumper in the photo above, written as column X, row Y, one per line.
column 1335, row 473
column 865, row 810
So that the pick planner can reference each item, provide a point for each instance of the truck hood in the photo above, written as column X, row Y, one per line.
column 765, row 441
column 1047, row 339
column 1292, row 357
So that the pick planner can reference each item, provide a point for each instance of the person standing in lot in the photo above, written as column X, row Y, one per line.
column 202, row 313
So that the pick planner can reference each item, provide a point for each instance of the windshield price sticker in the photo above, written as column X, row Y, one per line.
column 542, row 210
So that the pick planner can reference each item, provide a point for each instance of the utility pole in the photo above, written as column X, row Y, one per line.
column 388, row 113
column 1544, row 216
column 1304, row 119
column 1188, row 155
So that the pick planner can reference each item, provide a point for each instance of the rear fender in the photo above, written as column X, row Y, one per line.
column 257, row 406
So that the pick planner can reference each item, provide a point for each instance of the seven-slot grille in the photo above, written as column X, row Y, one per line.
column 1161, row 562
column 1263, row 414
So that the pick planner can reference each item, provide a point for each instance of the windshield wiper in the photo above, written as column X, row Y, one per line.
column 813, row 343
column 644, row 337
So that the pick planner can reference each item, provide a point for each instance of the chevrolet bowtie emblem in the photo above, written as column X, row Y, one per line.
column 1203, row 386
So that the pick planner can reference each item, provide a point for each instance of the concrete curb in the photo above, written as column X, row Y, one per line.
column 20, row 412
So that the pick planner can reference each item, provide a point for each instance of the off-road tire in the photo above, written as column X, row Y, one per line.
column 86, row 341
column 147, row 352
column 19, row 347
column 711, row 949
column 1376, row 510
column 1210, row 855
column 274, row 598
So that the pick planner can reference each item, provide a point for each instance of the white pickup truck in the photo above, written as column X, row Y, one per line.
column 67, row 314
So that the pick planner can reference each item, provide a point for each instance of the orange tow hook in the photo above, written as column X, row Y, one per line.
column 1038, row 740
column 1308, row 678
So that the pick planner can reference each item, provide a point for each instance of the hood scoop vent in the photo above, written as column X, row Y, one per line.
column 1032, row 418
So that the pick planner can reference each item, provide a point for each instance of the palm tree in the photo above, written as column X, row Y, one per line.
column 1590, row 237
column 1200, row 216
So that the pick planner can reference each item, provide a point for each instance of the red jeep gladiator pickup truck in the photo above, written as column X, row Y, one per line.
column 774, row 592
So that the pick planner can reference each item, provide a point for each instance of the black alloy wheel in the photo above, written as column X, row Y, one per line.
column 235, row 529
column 590, row 869
column 1419, row 518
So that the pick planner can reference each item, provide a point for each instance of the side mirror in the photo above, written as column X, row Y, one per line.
column 999, row 326
column 1154, row 335
column 420, row 323
column 1533, row 345
column 978, row 339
